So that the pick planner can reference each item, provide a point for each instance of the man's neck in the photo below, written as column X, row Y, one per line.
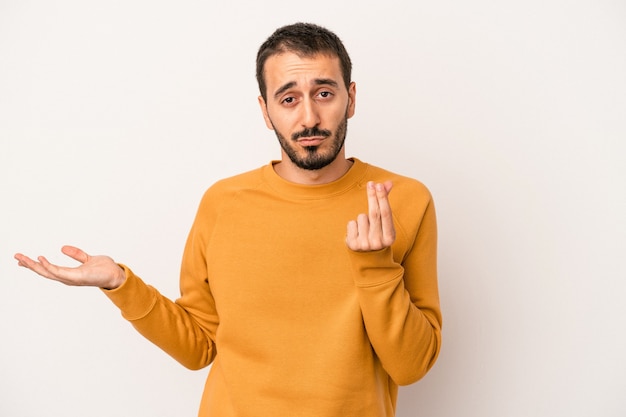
column 332, row 172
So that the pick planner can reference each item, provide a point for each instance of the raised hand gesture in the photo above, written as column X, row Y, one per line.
column 375, row 230
column 95, row 271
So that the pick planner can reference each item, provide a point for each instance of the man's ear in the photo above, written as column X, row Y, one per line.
column 351, row 99
column 266, row 116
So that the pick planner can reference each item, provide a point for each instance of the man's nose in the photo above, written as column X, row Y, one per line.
column 310, row 114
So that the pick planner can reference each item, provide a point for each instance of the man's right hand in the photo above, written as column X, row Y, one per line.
column 95, row 271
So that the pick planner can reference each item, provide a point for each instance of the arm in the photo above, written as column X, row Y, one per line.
column 184, row 331
column 399, row 299
column 165, row 323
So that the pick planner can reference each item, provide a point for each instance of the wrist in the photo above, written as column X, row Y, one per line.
column 118, row 279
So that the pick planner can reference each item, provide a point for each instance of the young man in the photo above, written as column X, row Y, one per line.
column 302, row 306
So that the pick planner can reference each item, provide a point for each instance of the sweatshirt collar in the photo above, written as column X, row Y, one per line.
column 352, row 178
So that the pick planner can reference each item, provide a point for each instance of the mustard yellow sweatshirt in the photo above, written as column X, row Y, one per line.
column 293, row 322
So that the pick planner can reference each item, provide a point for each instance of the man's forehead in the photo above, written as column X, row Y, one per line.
column 289, row 67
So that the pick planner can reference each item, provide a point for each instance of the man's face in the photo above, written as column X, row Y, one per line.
column 308, row 106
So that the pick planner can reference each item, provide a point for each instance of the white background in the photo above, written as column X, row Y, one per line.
column 116, row 116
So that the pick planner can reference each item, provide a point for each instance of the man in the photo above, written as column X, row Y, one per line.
column 298, row 313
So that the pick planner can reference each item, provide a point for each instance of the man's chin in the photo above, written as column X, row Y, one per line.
column 313, row 163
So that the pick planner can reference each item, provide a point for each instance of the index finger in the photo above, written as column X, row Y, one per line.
column 373, row 205
column 386, row 217
column 36, row 267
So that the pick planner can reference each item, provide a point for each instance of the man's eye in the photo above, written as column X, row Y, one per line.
column 325, row 94
column 288, row 100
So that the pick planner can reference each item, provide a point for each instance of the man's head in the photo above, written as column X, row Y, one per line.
column 307, row 96
column 305, row 40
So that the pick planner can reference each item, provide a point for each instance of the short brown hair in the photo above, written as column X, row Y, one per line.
column 303, row 39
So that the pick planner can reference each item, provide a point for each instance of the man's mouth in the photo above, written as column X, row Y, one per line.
column 311, row 140
column 312, row 135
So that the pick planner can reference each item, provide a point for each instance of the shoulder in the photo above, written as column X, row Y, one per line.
column 246, row 180
column 225, row 190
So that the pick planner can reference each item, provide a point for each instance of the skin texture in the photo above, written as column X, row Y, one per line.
column 308, row 106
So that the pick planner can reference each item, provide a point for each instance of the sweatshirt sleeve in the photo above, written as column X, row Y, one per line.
column 399, row 299
column 185, row 328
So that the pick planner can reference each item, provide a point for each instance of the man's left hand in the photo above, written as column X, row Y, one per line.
column 373, row 231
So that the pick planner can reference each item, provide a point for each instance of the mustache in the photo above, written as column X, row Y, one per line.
column 313, row 131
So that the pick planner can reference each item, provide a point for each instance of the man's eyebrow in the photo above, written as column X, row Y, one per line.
column 326, row 81
column 284, row 88
column 317, row 81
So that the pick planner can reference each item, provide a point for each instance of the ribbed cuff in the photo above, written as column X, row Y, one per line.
column 374, row 268
column 134, row 298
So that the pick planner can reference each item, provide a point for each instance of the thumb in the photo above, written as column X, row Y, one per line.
column 75, row 253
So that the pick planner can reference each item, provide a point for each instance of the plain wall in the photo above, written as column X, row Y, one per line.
column 116, row 116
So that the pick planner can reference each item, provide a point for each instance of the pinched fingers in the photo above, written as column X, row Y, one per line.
column 375, row 230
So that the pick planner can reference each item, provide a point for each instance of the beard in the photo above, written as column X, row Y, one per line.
column 315, row 158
